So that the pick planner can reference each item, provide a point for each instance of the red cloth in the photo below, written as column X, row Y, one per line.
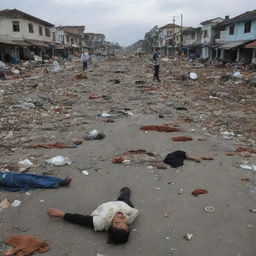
column 25, row 245
column 182, row 138
column 159, row 128
column 199, row 191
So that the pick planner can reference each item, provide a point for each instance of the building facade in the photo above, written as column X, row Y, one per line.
column 22, row 36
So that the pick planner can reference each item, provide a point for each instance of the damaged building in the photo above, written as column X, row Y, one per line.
column 236, row 38
column 22, row 36
column 74, row 38
column 95, row 42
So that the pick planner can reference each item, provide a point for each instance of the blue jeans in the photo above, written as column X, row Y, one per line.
column 22, row 182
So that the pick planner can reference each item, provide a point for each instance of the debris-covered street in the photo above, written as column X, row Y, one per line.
column 114, row 126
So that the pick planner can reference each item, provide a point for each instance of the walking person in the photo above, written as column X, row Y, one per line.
column 156, row 63
column 113, row 217
column 84, row 58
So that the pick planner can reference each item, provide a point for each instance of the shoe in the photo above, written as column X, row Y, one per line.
column 125, row 189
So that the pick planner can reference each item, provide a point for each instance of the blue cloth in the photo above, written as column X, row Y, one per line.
column 12, row 181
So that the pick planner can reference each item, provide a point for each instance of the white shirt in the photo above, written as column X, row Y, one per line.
column 104, row 214
column 85, row 56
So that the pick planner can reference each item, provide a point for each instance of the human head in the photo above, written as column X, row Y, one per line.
column 119, row 231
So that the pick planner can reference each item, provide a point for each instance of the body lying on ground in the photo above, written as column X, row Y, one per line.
column 113, row 217
column 11, row 181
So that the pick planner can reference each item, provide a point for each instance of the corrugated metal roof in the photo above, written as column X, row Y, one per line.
column 251, row 45
column 233, row 44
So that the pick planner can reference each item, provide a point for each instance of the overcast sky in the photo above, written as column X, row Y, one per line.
column 127, row 21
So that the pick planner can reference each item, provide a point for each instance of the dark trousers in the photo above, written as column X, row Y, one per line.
column 156, row 74
column 125, row 197
column 84, row 65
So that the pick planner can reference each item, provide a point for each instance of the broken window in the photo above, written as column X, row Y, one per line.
column 247, row 26
column 205, row 33
column 30, row 28
column 15, row 26
column 40, row 30
column 47, row 32
column 231, row 29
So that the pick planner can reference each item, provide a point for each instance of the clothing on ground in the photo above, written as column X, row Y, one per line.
column 175, row 159
column 11, row 181
column 25, row 245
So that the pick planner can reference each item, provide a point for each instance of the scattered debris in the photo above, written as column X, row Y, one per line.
column 209, row 209
column 159, row 128
column 24, row 165
column 182, row 138
column 193, row 76
column 4, row 204
column 188, row 236
column 199, row 191
column 95, row 96
column 95, row 135
column 248, row 167
column 84, row 172
column 16, row 203
column 58, row 161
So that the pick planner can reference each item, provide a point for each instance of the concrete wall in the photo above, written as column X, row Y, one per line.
column 239, row 32
column 208, row 28
column 187, row 39
column 6, row 29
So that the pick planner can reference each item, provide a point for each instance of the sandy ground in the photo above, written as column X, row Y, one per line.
column 167, row 209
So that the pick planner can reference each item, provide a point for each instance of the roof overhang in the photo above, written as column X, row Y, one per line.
column 251, row 45
column 234, row 44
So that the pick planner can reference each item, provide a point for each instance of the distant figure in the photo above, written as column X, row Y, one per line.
column 114, row 217
column 156, row 62
column 84, row 58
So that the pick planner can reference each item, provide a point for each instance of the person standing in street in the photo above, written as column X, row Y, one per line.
column 156, row 63
column 84, row 58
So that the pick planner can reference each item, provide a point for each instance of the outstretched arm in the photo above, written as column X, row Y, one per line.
column 84, row 220
column 193, row 158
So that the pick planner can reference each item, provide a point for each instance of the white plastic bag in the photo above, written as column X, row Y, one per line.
column 58, row 161
column 193, row 76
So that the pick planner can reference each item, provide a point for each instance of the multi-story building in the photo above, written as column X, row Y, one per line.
column 192, row 41
column 23, row 35
column 74, row 38
column 208, row 35
column 95, row 42
column 234, row 35
column 167, row 41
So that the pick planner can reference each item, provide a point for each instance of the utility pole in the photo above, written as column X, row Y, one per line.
column 181, row 25
column 173, row 30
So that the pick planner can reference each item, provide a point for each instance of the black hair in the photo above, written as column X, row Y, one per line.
column 117, row 235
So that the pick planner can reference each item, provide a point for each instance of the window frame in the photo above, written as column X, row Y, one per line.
column 247, row 26
column 232, row 29
column 47, row 32
column 17, row 24
column 40, row 30
column 30, row 28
